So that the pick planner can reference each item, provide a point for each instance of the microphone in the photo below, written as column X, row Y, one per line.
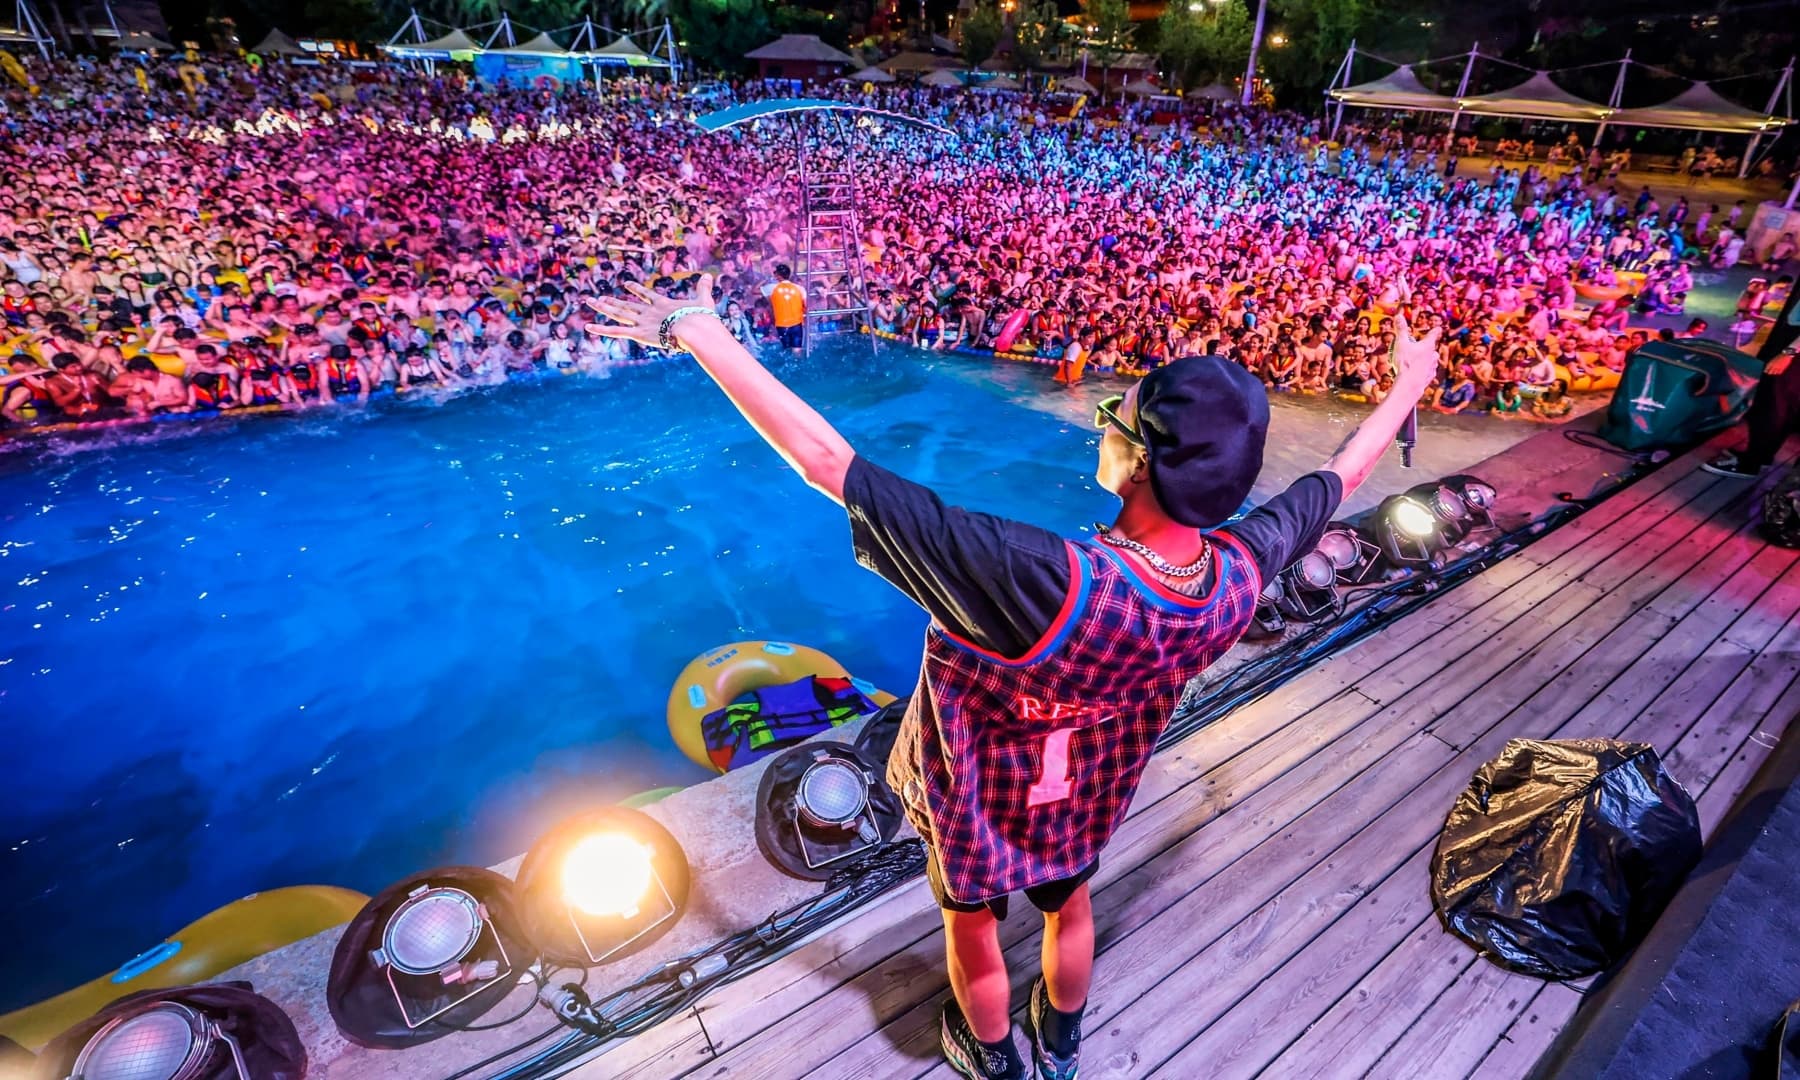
column 1408, row 437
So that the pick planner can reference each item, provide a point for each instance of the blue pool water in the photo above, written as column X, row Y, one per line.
column 341, row 646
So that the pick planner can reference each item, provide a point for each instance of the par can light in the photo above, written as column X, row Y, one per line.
column 214, row 1031
column 820, row 805
column 427, row 956
column 437, row 939
column 603, row 885
column 165, row 1041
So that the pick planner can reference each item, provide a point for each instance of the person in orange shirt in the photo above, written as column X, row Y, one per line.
column 788, row 300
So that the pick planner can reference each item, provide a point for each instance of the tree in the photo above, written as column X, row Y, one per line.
column 719, row 32
column 1037, row 32
column 1109, row 31
column 1210, row 44
column 981, row 33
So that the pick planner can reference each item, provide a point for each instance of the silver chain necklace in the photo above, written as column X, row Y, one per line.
column 1157, row 562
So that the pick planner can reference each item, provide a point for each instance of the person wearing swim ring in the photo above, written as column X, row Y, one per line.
column 1051, row 665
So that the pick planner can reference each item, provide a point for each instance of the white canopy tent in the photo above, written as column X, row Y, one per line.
column 868, row 75
column 942, row 78
column 1215, row 92
column 276, row 43
column 541, row 45
column 1398, row 89
column 1075, row 84
column 1698, row 108
column 1537, row 98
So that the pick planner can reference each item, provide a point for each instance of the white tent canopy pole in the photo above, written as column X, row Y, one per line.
column 1618, row 94
column 1462, row 86
column 1787, row 75
column 1343, row 72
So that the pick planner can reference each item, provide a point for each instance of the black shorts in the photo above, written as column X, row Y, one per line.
column 791, row 336
column 1048, row 897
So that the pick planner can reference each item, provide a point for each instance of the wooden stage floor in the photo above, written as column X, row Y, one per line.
column 1266, row 908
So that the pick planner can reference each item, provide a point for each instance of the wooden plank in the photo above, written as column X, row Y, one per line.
column 1750, row 699
column 1362, row 1024
column 1524, row 1043
column 1460, row 1028
column 1257, row 1027
column 1735, row 774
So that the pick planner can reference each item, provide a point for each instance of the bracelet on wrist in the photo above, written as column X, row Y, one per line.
column 665, row 337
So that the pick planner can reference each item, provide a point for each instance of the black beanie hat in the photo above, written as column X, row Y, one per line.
column 1204, row 420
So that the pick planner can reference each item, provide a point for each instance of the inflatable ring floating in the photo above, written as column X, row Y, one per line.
column 238, row 932
column 1587, row 290
column 716, row 678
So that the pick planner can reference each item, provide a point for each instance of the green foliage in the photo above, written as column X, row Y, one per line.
column 1207, row 45
column 981, row 33
column 1037, row 32
column 719, row 32
column 1109, row 29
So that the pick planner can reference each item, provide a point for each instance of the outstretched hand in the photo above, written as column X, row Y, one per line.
column 640, row 319
column 1416, row 359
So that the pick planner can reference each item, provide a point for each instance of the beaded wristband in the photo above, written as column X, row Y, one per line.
column 663, row 332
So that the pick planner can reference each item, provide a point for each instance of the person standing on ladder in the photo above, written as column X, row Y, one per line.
column 788, row 301
column 1051, row 666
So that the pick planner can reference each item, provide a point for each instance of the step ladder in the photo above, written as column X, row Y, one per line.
column 829, row 257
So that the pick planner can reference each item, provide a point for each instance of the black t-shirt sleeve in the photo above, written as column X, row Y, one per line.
column 993, row 582
column 1288, row 526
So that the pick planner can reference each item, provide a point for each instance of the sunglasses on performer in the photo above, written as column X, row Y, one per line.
column 1106, row 412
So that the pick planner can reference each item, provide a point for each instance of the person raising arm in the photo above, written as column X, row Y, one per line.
column 1051, row 665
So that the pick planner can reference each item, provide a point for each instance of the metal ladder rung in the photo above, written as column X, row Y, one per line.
column 837, row 311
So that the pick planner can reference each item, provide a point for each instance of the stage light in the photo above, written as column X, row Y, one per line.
column 1477, row 494
column 1352, row 555
column 166, row 1040
column 1307, row 591
column 1412, row 518
column 819, row 805
column 427, row 956
column 1407, row 531
column 608, row 874
column 602, row 885
column 439, row 937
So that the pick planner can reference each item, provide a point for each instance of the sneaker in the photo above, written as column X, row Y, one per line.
column 1049, row 1066
column 1728, row 466
column 969, row 1057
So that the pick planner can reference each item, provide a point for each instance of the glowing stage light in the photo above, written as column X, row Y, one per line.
column 603, row 884
column 607, row 874
column 1412, row 518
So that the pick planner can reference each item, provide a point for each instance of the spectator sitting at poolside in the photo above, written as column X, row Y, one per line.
column 144, row 388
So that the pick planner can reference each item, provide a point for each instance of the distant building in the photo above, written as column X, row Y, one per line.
column 801, row 57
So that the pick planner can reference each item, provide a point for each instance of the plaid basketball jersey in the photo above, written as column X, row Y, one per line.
column 1017, row 772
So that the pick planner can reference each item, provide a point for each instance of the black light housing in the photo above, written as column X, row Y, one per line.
column 428, row 956
column 214, row 1031
column 603, row 885
column 820, row 805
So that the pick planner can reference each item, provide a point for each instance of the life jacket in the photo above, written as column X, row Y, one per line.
column 376, row 328
column 1018, row 771
column 343, row 375
column 306, row 378
column 769, row 720
column 212, row 390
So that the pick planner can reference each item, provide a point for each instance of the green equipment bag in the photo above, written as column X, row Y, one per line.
column 1673, row 392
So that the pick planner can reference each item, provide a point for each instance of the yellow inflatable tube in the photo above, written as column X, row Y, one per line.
column 715, row 679
column 238, row 932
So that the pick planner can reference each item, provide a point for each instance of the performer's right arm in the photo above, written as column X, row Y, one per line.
column 1417, row 363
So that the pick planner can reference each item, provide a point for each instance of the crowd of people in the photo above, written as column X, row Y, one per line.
column 278, row 236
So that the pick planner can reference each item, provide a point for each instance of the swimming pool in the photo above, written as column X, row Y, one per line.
column 340, row 646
